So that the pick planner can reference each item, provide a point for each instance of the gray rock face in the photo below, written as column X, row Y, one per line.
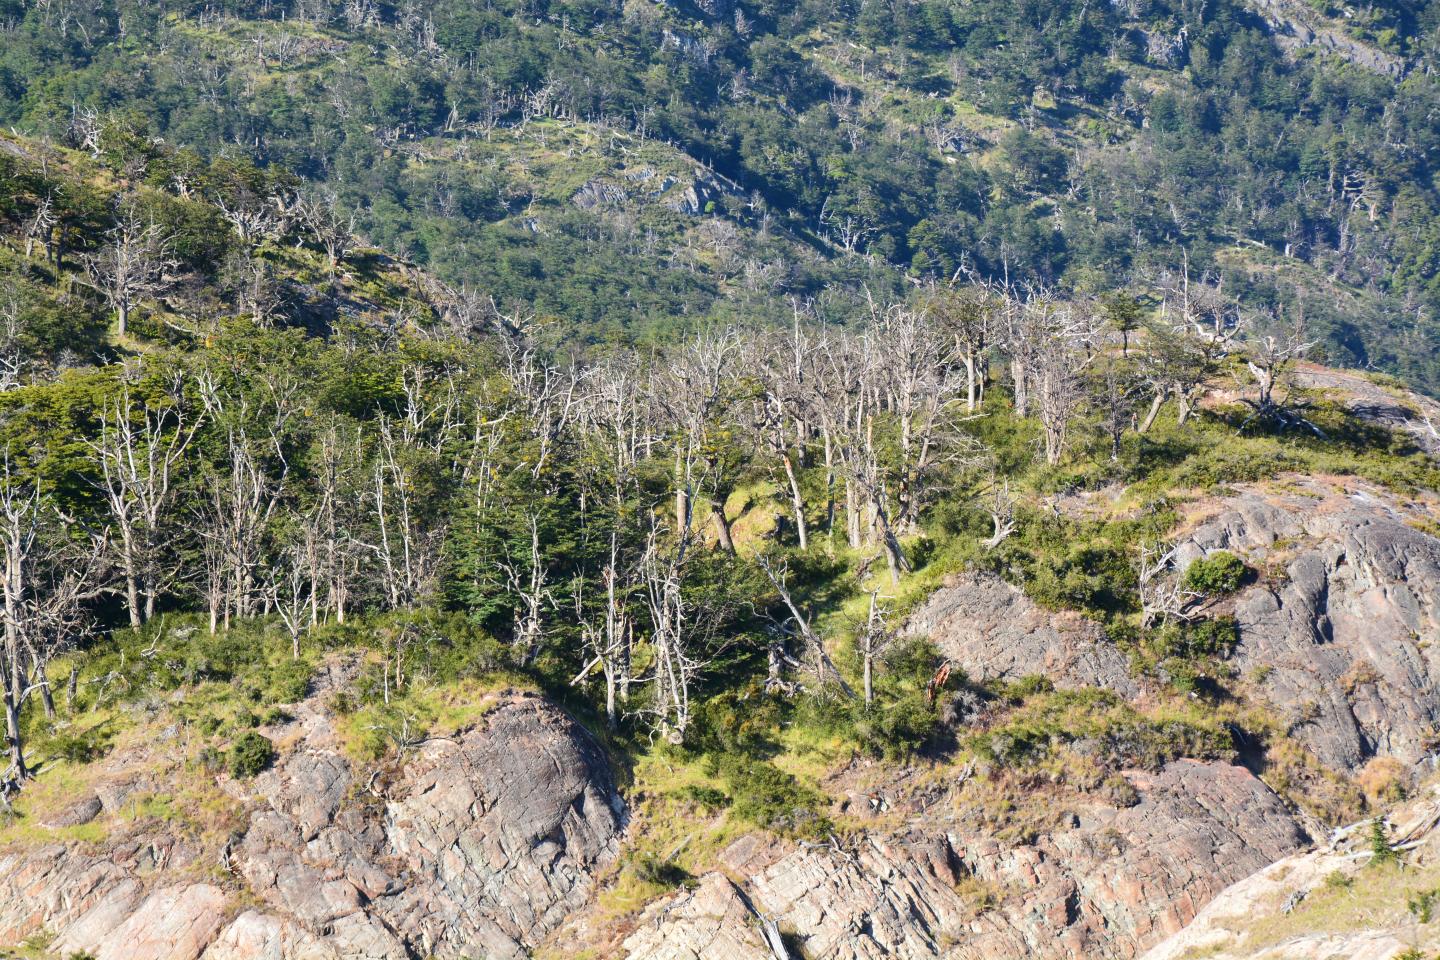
column 1115, row 882
column 996, row 632
column 1292, row 910
column 1341, row 635
column 479, row 846
column 509, row 826
column 1295, row 25
column 1123, row 879
column 712, row 922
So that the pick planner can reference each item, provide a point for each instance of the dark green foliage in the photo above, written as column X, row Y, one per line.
column 1211, row 638
column 76, row 746
column 897, row 730
column 1128, row 152
column 1112, row 731
column 707, row 798
column 250, row 754
column 762, row 794
column 1381, row 851
column 661, row 872
column 1217, row 574
column 739, row 722
column 289, row 682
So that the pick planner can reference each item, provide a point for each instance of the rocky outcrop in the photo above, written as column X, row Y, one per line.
column 1295, row 24
column 995, row 632
column 1326, row 903
column 1410, row 415
column 1340, row 633
column 712, row 922
column 1123, row 878
column 477, row 845
column 1109, row 883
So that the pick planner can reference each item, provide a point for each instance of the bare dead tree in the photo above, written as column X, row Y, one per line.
column 1198, row 328
column 1058, row 371
column 244, row 496
column 825, row 670
column 1002, row 513
column 336, row 519
column 875, row 638
column 139, row 448
column 676, row 638
column 48, row 578
column 912, row 379
column 290, row 585
column 13, row 362
column 253, row 218
column 616, row 433
column 1023, row 333
column 528, row 578
column 405, row 544
column 256, row 288
column 694, row 394
column 543, row 394
column 836, row 395
column 783, row 412
column 1163, row 596
column 328, row 227
column 609, row 639
column 968, row 315
column 134, row 265
column 40, row 227
column 1273, row 349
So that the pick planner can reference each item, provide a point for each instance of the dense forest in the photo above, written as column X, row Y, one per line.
column 630, row 167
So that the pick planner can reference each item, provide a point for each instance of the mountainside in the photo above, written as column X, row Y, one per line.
column 628, row 167
column 823, row 481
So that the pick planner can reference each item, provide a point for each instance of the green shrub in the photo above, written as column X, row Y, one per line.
column 289, row 681
column 1215, row 638
column 1216, row 575
column 250, row 754
column 1028, row 686
column 742, row 721
column 768, row 797
column 1381, row 852
column 898, row 730
column 659, row 871
column 78, row 747
column 1422, row 905
column 1114, row 732
column 708, row 798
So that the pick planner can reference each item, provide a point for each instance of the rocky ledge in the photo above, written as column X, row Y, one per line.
column 477, row 844
column 1338, row 632
column 1109, row 882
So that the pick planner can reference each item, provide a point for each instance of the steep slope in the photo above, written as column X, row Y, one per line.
column 482, row 841
column 815, row 148
column 1108, row 882
column 1335, row 901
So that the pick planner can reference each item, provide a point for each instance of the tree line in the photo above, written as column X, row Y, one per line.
column 579, row 507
